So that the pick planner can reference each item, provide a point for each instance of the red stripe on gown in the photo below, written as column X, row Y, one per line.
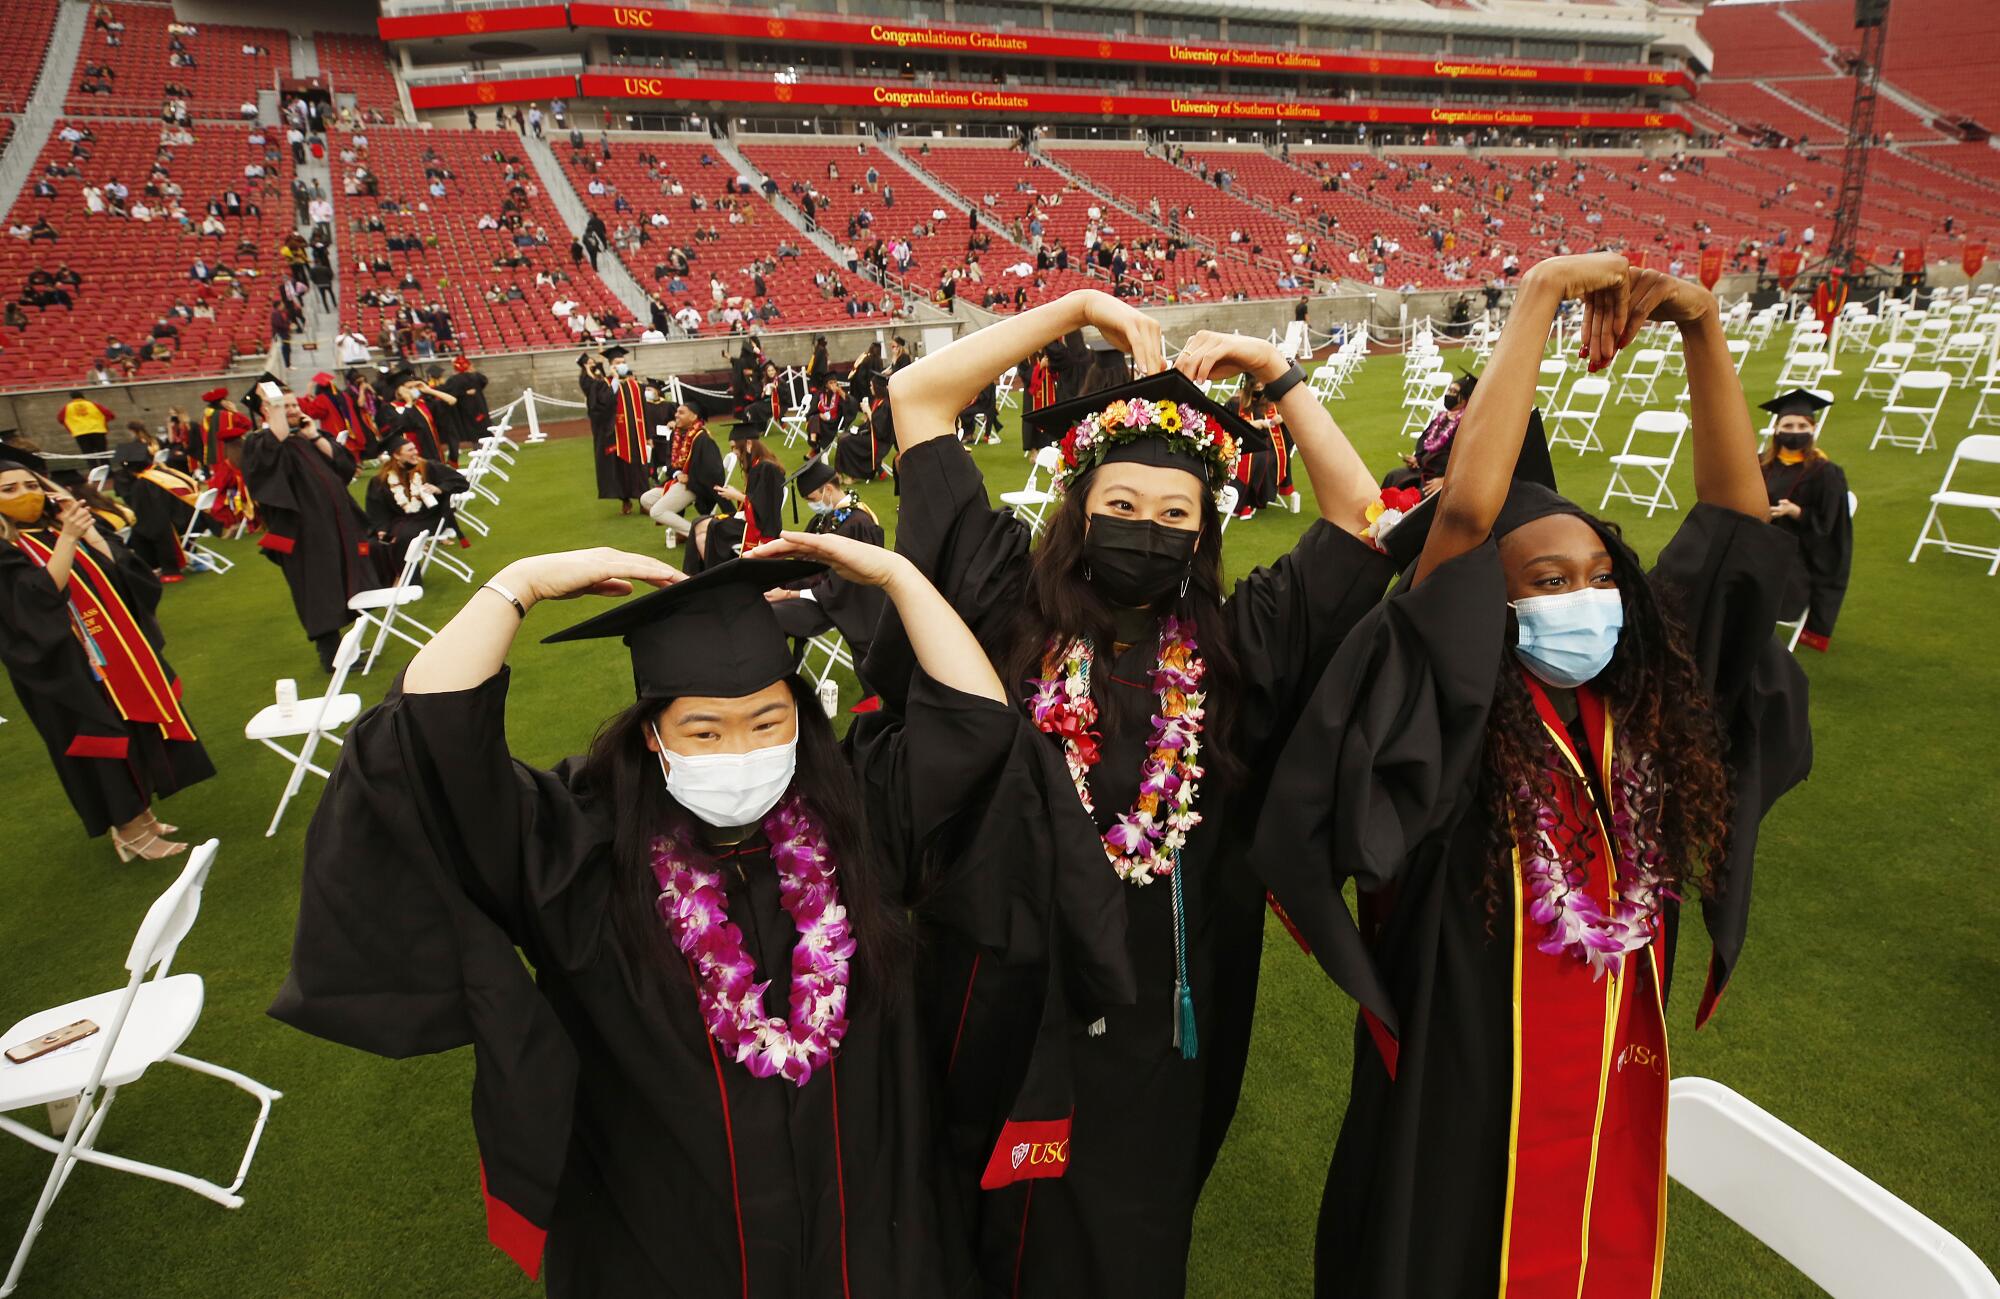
column 1581, row 1171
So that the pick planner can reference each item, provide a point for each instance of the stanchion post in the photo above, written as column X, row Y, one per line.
column 534, row 417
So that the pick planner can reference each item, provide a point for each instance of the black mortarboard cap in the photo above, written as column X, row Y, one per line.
column 614, row 352
column 812, row 475
column 132, row 453
column 12, row 457
column 1797, row 402
column 712, row 635
column 253, row 400
column 1053, row 422
column 1532, row 496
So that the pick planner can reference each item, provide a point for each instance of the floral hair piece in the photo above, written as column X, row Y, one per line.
column 1186, row 429
column 1386, row 511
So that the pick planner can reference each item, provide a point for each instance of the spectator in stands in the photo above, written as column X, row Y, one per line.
column 41, row 230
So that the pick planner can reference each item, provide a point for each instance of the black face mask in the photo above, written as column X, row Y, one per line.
column 1450, row 400
column 1793, row 441
column 1134, row 562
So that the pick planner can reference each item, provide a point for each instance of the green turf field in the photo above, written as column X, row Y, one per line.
column 1866, row 1011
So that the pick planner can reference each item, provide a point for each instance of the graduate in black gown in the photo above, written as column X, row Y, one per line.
column 857, row 456
column 711, row 1082
column 1520, row 760
column 313, row 529
column 1124, row 591
column 1426, row 465
column 689, row 472
column 1809, row 500
column 757, row 507
column 466, row 419
column 620, row 433
column 104, row 700
column 162, row 502
column 830, row 602
column 415, row 410
column 409, row 495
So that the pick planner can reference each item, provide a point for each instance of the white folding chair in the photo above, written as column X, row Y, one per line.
column 1575, row 424
column 1550, row 381
column 1918, row 397
column 1980, row 448
column 831, row 652
column 728, row 467
column 1415, row 367
column 1006, row 393
column 309, row 720
column 382, row 607
column 1739, row 352
column 98, row 476
column 1225, row 504
column 462, row 515
column 1657, row 427
column 1797, row 626
column 1803, row 369
column 1842, row 1231
column 435, row 553
column 1966, row 350
column 1989, row 390
column 1032, row 501
column 1641, row 374
column 138, row 1026
column 1878, row 377
column 217, row 561
column 792, row 424
column 1930, row 337
column 1424, row 401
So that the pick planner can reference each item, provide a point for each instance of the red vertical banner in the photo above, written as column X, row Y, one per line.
column 1711, row 267
column 1913, row 259
column 1789, row 262
column 1973, row 258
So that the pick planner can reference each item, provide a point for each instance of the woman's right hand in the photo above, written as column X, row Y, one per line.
column 75, row 518
column 1126, row 328
column 600, row 570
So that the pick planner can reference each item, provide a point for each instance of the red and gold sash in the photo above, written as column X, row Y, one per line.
column 124, row 660
column 177, row 484
column 628, row 425
column 681, row 451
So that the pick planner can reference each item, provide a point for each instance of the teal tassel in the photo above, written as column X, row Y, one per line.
column 1184, row 1033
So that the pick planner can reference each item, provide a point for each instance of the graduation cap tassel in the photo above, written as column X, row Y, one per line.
column 1184, row 1030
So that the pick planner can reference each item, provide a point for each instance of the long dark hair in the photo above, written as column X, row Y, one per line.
column 1664, row 717
column 623, row 771
column 1061, row 604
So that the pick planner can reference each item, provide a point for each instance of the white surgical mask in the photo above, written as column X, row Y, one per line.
column 818, row 506
column 1568, row 639
column 624, row 368
column 729, row 789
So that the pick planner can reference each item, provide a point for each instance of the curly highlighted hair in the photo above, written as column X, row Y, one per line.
column 1664, row 720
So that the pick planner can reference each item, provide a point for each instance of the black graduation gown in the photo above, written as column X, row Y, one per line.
column 849, row 607
column 1380, row 783
column 1825, row 533
column 52, row 676
column 419, row 421
column 764, row 487
column 617, row 480
column 601, row 1110
column 704, row 473
column 1148, row 1123
column 858, row 455
column 391, row 528
column 159, row 519
column 312, row 527
column 465, row 422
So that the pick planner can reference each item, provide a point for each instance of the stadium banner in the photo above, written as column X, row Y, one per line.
column 1973, row 258
column 903, row 97
column 472, row 94
column 1789, row 262
column 1711, row 267
column 473, row 22
column 929, row 38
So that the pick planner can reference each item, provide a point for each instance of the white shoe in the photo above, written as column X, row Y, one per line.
column 673, row 539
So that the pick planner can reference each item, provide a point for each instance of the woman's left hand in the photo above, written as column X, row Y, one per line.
column 731, row 494
column 1211, row 355
column 857, row 561
column 1786, row 510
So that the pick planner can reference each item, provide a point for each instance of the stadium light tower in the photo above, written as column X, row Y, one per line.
column 1871, row 19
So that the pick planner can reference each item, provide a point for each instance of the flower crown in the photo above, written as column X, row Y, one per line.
column 1185, row 429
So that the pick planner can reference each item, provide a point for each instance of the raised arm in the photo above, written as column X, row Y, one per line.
column 474, row 644
column 1340, row 478
column 1725, row 443
column 1496, row 419
column 945, row 647
column 928, row 395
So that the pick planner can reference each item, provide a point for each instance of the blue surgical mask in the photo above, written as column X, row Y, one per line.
column 1568, row 639
column 818, row 506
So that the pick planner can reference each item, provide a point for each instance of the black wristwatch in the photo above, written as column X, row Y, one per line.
column 1284, row 383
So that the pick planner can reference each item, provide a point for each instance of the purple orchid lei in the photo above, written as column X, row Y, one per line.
column 1573, row 922
column 694, row 907
column 1144, row 843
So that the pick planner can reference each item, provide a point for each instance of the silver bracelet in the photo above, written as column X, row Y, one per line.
column 493, row 585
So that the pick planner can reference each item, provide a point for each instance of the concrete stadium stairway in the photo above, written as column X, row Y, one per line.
column 38, row 120
column 616, row 275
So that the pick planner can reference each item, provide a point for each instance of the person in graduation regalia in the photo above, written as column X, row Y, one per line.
column 415, row 410
column 620, row 434
column 711, row 1085
column 857, row 456
column 1162, row 703
column 1259, row 472
column 830, row 602
column 220, row 456
column 466, row 419
column 356, row 402
column 328, row 408
column 162, row 501
column 407, row 496
column 827, row 413
column 690, row 474
column 1521, row 760
column 758, row 505
column 1808, row 495
column 313, row 529
column 83, row 651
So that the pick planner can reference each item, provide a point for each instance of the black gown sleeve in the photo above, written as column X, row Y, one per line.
column 1826, row 541
column 1384, row 758
column 764, row 485
column 381, row 507
column 975, row 555
column 36, row 645
column 263, row 465
column 704, row 472
column 446, row 479
column 1724, row 575
column 431, row 858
